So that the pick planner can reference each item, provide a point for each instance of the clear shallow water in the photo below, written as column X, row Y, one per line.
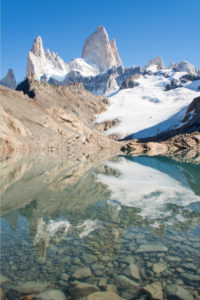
column 137, row 217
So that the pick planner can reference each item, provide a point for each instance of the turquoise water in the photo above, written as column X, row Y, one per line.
column 127, row 213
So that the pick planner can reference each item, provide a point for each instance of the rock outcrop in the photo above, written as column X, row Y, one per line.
column 9, row 80
column 184, row 66
column 130, row 82
column 100, row 51
column 158, row 61
column 193, row 113
column 185, row 146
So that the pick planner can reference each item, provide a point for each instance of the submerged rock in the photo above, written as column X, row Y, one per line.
column 2, row 294
column 152, row 248
column 128, row 287
column 80, row 290
column 26, row 288
column 104, row 296
column 190, row 266
column 177, row 292
column 134, row 272
column 3, row 279
column 51, row 295
column 159, row 267
column 191, row 277
column 82, row 273
column 155, row 290
column 89, row 258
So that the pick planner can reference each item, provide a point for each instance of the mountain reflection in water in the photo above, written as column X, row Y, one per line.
column 53, row 209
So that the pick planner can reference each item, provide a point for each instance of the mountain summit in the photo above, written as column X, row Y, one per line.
column 101, row 51
column 98, row 54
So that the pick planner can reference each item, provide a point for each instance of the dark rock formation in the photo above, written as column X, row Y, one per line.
column 130, row 82
column 172, row 85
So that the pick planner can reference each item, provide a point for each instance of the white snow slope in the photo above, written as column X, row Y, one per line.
column 148, row 109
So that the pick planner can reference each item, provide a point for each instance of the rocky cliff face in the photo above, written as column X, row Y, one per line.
column 100, row 51
column 9, row 80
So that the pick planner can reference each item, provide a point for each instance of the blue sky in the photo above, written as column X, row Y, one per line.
column 143, row 29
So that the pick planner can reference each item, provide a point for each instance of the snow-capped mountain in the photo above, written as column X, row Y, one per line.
column 145, row 101
column 98, row 54
column 9, row 80
column 158, row 102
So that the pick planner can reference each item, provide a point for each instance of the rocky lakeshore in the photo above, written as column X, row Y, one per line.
column 184, row 147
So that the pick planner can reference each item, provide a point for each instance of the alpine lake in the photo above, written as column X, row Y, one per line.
column 130, row 225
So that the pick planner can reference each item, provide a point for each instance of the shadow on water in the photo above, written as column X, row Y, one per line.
column 58, row 216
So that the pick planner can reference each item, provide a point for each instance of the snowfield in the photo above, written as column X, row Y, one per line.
column 148, row 109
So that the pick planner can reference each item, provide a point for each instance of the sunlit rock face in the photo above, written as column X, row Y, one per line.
column 100, row 51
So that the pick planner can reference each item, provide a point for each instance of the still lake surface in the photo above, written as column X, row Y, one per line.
column 132, row 216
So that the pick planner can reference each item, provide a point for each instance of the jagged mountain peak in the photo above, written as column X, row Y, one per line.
column 9, row 80
column 100, row 51
column 37, row 47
